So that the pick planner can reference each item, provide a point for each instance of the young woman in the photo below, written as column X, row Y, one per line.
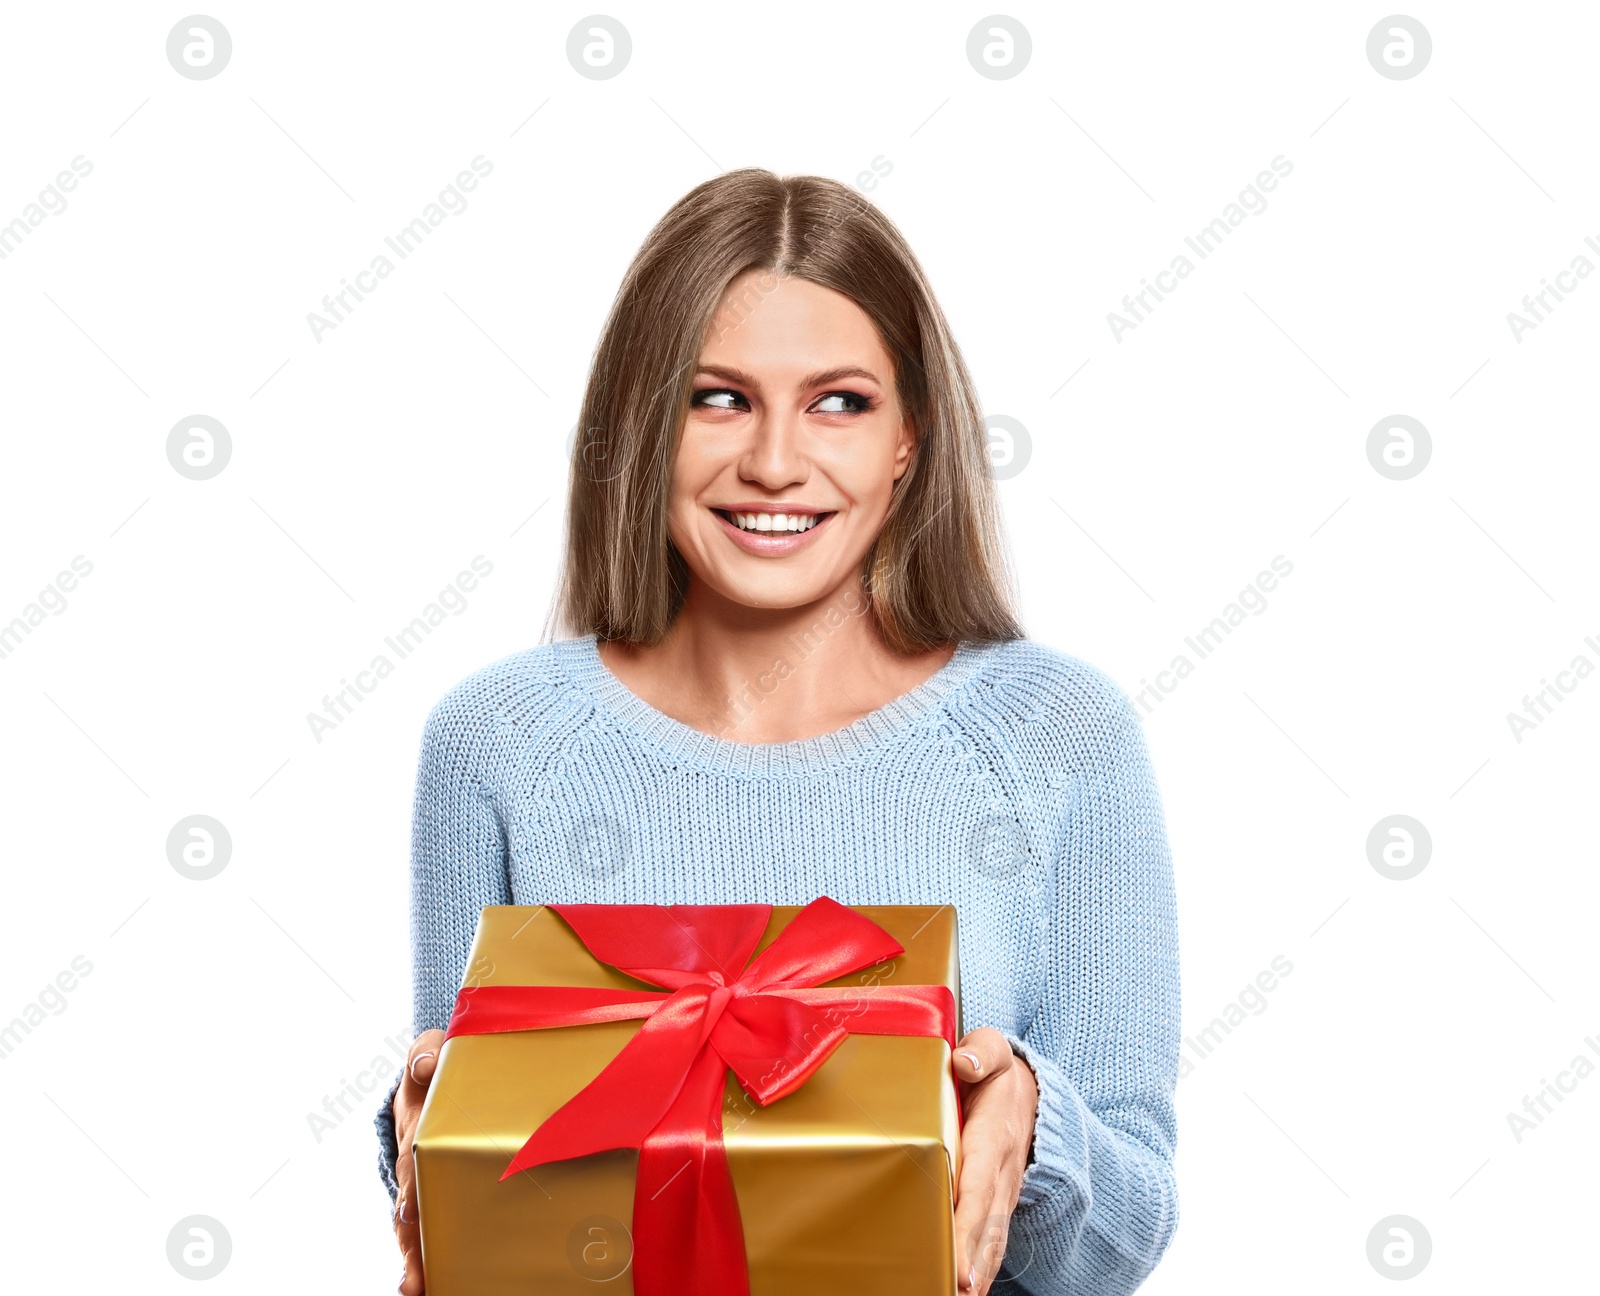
column 795, row 671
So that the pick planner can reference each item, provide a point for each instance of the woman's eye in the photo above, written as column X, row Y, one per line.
column 718, row 398
column 830, row 403
column 861, row 404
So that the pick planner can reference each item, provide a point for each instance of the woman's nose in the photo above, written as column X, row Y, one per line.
column 774, row 458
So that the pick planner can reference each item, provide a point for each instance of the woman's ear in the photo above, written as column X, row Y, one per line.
column 904, row 448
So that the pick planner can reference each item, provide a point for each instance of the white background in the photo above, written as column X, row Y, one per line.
column 368, row 467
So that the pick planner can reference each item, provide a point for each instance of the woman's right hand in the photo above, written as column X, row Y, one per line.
column 407, row 1107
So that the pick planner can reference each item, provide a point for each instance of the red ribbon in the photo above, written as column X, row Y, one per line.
column 663, row 1092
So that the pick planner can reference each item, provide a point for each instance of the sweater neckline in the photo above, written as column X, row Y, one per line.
column 584, row 667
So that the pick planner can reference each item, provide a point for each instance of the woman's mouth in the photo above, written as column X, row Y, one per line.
column 770, row 531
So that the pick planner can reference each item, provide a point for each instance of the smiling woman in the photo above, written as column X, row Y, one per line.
column 781, row 494
column 802, row 376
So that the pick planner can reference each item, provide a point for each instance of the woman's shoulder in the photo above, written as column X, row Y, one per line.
column 1042, row 676
column 1033, row 693
column 517, row 687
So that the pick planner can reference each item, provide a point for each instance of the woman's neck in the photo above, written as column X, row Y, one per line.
column 767, row 675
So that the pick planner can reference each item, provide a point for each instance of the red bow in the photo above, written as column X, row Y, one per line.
column 663, row 1092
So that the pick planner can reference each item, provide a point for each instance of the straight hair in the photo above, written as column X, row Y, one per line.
column 936, row 573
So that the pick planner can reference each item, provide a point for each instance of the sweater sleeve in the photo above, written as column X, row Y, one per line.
column 1098, row 1203
column 458, row 865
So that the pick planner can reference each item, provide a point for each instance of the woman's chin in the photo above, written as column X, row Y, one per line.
column 768, row 594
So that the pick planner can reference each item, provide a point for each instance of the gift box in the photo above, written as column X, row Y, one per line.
column 761, row 1102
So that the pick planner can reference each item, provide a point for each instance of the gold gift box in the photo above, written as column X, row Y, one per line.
column 847, row 1184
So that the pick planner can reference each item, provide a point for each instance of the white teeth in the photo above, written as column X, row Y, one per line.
column 774, row 521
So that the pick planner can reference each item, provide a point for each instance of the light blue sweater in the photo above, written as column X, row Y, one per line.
column 1014, row 783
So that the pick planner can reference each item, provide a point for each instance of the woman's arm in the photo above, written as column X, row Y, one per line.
column 458, row 865
column 1099, row 1200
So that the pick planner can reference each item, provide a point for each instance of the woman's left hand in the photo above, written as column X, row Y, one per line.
column 999, row 1102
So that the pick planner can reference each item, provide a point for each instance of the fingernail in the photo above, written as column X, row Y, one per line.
column 414, row 1062
column 972, row 1270
column 976, row 1066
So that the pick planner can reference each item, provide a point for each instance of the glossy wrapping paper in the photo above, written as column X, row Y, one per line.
column 844, row 1185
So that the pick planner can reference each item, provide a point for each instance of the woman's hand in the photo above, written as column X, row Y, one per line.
column 999, row 1102
column 407, row 1107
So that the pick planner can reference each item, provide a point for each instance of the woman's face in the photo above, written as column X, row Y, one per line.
column 793, row 442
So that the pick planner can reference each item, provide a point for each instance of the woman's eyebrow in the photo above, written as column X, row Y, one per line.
column 810, row 380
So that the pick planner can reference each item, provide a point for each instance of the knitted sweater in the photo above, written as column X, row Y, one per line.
column 1014, row 783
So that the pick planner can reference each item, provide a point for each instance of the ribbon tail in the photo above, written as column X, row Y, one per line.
column 687, row 1236
column 621, row 1105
